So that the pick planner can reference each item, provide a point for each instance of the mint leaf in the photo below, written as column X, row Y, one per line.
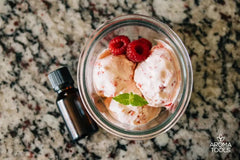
column 138, row 101
column 122, row 98
column 130, row 99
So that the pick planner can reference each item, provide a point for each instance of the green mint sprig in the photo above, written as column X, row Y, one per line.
column 130, row 99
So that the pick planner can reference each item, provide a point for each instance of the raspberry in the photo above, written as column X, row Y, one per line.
column 147, row 42
column 118, row 45
column 138, row 50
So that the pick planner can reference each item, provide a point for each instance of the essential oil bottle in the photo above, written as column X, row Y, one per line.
column 77, row 120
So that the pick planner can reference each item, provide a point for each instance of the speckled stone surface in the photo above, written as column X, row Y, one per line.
column 38, row 36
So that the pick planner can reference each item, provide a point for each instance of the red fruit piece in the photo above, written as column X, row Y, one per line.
column 168, row 105
column 137, row 51
column 118, row 45
column 147, row 42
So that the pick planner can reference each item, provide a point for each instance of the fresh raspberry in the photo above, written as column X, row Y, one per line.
column 147, row 42
column 118, row 45
column 137, row 51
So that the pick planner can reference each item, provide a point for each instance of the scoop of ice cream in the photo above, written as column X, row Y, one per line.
column 158, row 77
column 112, row 73
column 132, row 115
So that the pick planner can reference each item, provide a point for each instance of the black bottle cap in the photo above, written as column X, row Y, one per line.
column 60, row 78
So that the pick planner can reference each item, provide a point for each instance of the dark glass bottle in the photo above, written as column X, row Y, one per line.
column 76, row 118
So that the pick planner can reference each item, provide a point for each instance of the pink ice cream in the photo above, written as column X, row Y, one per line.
column 133, row 115
column 158, row 77
column 111, row 74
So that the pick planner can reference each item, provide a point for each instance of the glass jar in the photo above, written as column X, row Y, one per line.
column 134, row 26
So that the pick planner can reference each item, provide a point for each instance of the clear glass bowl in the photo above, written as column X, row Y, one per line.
column 133, row 26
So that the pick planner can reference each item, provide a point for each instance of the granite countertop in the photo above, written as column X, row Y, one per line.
column 39, row 36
